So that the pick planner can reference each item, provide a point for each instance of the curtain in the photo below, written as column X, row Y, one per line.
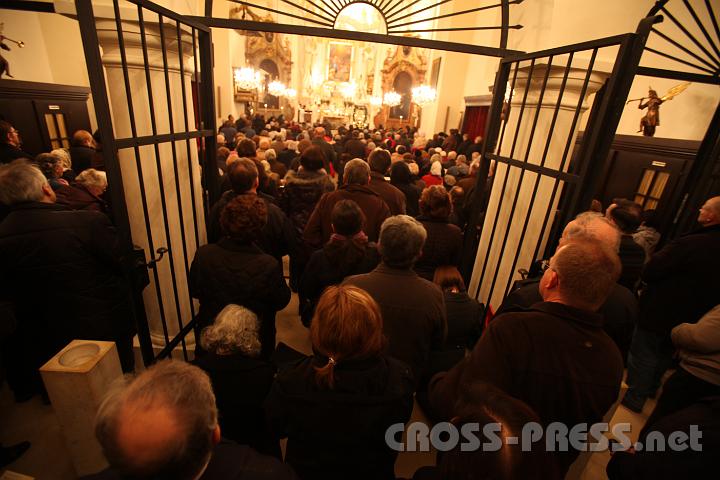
column 475, row 120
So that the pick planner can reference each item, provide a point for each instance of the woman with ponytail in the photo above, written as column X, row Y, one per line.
column 348, row 252
column 335, row 407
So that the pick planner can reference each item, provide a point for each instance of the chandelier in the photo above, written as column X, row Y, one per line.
column 348, row 89
column 392, row 99
column 290, row 93
column 376, row 100
column 276, row 88
column 247, row 78
column 423, row 95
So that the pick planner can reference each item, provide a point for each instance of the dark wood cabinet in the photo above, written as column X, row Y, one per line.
column 45, row 114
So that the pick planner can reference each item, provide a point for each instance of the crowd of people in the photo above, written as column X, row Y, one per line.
column 372, row 222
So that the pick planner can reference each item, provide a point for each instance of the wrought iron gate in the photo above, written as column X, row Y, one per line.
column 535, row 176
column 153, row 69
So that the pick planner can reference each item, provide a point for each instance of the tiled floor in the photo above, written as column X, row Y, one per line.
column 48, row 460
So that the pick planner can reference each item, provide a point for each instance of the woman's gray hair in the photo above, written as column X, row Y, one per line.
column 92, row 178
column 235, row 330
column 270, row 154
column 64, row 157
column 21, row 181
column 292, row 145
column 401, row 241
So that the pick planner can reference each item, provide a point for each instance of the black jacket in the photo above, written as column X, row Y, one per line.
column 229, row 461
column 554, row 357
column 276, row 238
column 632, row 258
column 241, row 384
column 8, row 153
column 231, row 272
column 443, row 246
column 329, row 151
column 301, row 193
column 82, row 158
column 61, row 271
column 340, row 433
column 322, row 271
column 682, row 281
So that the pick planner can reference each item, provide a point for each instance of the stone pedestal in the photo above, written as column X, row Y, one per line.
column 500, row 260
column 77, row 379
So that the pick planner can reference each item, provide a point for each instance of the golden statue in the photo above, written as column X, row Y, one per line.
column 651, row 119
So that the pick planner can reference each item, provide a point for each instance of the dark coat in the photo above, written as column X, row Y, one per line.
column 464, row 326
column 394, row 198
column 329, row 151
column 286, row 157
column 554, row 357
column 82, row 158
column 632, row 258
column 241, row 384
column 443, row 246
column 355, row 148
column 231, row 272
column 301, row 194
column 77, row 197
column 61, row 271
column 276, row 238
column 322, row 271
column 620, row 310
column 670, row 464
column 230, row 461
column 8, row 153
column 412, row 197
column 340, row 433
column 319, row 226
column 413, row 312
column 682, row 281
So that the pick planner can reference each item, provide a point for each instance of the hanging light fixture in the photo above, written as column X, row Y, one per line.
column 376, row 100
column 348, row 90
column 276, row 88
column 247, row 78
column 290, row 93
column 423, row 95
column 392, row 99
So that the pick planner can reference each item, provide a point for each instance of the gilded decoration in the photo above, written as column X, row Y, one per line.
column 400, row 65
column 265, row 47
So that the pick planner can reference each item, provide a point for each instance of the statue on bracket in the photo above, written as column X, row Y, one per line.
column 4, row 64
column 651, row 119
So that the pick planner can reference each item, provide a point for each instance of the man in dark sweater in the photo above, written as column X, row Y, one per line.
column 555, row 355
column 413, row 309
column 164, row 424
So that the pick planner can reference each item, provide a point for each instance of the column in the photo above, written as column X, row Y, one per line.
column 500, row 260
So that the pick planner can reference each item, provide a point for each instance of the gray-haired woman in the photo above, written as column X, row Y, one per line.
column 240, row 379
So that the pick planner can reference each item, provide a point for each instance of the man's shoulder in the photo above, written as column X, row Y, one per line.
column 231, row 461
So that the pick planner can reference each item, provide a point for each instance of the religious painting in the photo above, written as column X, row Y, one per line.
column 340, row 56
column 435, row 73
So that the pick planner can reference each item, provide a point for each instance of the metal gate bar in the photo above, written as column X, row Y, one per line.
column 185, row 31
column 580, row 186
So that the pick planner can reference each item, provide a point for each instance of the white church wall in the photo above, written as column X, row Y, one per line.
column 553, row 23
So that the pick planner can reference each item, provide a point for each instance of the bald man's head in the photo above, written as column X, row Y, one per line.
column 710, row 212
column 593, row 226
column 161, row 425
